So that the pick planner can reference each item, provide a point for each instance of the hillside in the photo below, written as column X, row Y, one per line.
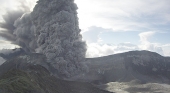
column 134, row 71
column 19, row 75
column 145, row 66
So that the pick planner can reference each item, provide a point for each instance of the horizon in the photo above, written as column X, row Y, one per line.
column 111, row 27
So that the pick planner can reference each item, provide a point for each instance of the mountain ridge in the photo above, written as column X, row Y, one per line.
column 25, row 74
column 138, row 67
column 139, row 64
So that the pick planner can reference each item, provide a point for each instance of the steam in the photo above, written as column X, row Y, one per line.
column 52, row 29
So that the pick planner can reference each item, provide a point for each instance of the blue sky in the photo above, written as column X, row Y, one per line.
column 114, row 26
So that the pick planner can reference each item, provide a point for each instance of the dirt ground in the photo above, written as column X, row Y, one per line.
column 136, row 87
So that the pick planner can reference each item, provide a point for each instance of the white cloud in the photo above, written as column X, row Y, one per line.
column 97, row 45
column 127, row 46
column 7, row 45
column 166, row 49
column 144, row 36
column 145, row 16
column 147, row 45
column 118, row 15
column 92, row 34
column 98, row 50
column 123, row 15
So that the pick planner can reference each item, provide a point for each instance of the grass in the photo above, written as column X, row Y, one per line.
column 37, row 79
column 17, row 81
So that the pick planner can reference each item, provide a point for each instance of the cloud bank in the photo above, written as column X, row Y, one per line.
column 110, row 42
column 139, row 20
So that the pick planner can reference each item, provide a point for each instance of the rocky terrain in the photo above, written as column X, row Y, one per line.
column 130, row 72
column 145, row 66
column 52, row 30
column 136, row 87
column 24, row 74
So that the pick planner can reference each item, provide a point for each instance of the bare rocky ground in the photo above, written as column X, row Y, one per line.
column 135, row 87
column 23, row 74
column 131, row 72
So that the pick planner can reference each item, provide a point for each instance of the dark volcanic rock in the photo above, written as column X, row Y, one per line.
column 135, row 65
column 9, row 54
column 25, row 74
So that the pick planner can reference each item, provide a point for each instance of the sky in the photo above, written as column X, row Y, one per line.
column 116, row 26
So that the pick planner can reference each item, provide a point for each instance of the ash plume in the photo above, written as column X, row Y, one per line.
column 7, row 26
column 58, row 34
column 24, row 33
column 16, row 25
column 51, row 29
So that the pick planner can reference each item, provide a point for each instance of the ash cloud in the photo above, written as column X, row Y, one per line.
column 24, row 33
column 12, row 19
column 58, row 34
column 52, row 29
column 8, row 27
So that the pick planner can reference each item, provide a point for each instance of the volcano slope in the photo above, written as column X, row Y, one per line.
column 24, row 74
column 130, row 72
column 145, row 66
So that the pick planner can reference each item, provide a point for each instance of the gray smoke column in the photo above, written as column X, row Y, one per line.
column 17, row 27
column 58, row 35
column 24, row 33
column 52, row 29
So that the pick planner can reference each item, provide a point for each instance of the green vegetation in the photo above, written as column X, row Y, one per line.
column 20, row 76
column 17, row 81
